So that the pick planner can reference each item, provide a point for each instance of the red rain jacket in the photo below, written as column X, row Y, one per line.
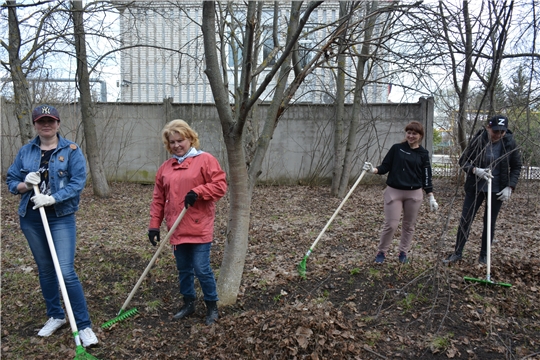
column 201, row 174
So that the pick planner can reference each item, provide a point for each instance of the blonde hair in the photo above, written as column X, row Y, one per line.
column 181, row 127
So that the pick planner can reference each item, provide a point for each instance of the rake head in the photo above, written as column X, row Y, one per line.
column 486, row 281
column 302, row 267
column 81, row 354
column 124, row 314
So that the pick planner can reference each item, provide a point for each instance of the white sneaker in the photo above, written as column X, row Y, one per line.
column 51, row 326
column 88, row 337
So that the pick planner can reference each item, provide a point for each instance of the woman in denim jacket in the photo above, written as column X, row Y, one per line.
column 58, row 167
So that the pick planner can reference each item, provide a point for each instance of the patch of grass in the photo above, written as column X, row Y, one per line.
column 262, row 284
column 323, row 298
column 441, row 343
column 407, row 302
column 153, row 305
column 372, row 337
column 375, row 273
column 270, row 258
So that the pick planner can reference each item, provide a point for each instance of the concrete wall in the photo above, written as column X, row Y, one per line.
column 301, row 149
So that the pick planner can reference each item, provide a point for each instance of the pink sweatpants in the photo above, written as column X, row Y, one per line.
column 394, row 202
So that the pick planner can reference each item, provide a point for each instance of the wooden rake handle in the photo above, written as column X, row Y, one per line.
column 58, row 270
column 337, row 211
column 153, row 260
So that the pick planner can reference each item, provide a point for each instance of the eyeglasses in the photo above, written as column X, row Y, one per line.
column 47, row 121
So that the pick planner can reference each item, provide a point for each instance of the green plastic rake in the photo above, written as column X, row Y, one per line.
column 488, row 280
column 80, row 352
column 302, row 265
column 123, row 313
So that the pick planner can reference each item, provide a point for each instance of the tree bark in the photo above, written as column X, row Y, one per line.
column 358, row 98
column 23, row 103
column 241, row 181
column 340, row 106
column 99, row 180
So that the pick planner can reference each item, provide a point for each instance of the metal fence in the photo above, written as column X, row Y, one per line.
column 445, row 170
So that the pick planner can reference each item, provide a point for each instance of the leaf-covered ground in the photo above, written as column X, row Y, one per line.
column 346, row 308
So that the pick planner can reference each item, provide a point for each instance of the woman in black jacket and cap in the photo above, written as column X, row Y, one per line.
column 492, row 153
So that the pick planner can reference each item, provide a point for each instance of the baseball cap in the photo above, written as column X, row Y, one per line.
column 45, row 111
column 498, row 122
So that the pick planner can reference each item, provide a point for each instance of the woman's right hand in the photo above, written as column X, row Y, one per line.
column 32, row 179
column 153, row 236
column 369, row 167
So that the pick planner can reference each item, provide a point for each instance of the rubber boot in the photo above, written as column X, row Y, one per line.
column 186, row 310
column 211, row 312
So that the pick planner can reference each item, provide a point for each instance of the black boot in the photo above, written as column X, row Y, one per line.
column 187, row 309
column 211, row 312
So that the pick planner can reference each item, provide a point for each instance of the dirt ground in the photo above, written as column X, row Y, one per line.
column 347, row 307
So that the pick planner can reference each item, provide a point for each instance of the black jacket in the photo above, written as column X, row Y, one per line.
column 509, row 162
column 409, row 168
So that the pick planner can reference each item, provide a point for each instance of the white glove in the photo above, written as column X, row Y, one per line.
column 32, row 179
column 42, row 200
column 483, row 173
column 368, row 167
column 433, row 206
column 505, row 193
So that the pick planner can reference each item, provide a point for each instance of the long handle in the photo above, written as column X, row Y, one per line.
column 336, row 212
column 154, row 258
column 58, row 270
column 488, row 232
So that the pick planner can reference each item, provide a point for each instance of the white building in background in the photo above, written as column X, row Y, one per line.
column 164, row 53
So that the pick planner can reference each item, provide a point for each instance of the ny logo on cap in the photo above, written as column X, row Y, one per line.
column 46, row 110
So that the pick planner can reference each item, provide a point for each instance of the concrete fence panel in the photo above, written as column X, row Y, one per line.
column 301, row 149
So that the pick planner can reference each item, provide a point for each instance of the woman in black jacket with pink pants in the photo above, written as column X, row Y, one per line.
column 409, row 171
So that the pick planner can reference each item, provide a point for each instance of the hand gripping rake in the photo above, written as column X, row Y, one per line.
column 123, row 314
column 80, row 352
column 487, row 280
column 302, row 265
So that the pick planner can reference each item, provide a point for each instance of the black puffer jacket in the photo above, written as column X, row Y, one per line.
column 509, row 162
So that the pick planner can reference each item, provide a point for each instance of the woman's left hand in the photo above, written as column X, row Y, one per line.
column 190, row 199
column 42, row 200
column 433, row 206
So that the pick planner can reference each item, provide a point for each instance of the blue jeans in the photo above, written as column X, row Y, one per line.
column 64, row 235
column 194, row 259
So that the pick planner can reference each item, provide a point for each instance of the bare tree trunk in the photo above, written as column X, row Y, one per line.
column 272, row 116
column 358, row 100
column 241, row 181
column 23, row 103
column 461, row 90
column 99, row 180
column 232, row 266
column 340, row 106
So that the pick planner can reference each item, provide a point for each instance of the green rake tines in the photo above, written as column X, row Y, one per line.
column 122, row 315
column 81, row 354
column 486, row 281
column 302, row 265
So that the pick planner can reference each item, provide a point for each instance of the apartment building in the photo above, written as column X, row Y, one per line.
column 163, row 54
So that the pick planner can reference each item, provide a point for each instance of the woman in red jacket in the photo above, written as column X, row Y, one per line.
column 190, row 178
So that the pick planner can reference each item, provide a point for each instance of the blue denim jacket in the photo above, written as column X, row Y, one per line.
column 67, row 174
